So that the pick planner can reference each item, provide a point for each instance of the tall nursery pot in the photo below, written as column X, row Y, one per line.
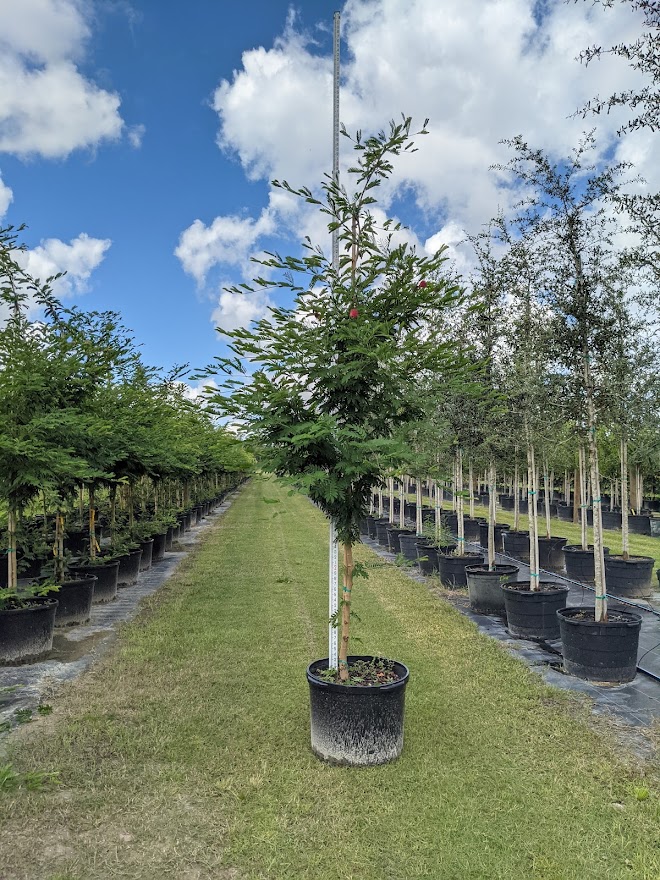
column 605, row 652
column 516, row 544
column 551, row 553
column 532, row 614
column 26, row 634
column 629, row 578
column 471, row 528
column 485, row 586
column 452, row 568
column 579, row 563
column 74, row 598
column 356, row 725
column 147, row 549
column 500, row 528
column 408, row 544
column 158, row 549
column 393, row 535
column 105, row 588
column 427, row 557
column 129, row 568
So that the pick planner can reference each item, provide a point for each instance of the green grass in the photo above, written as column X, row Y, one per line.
column 185, row 753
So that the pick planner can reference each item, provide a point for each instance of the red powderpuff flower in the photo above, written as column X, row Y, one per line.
column 422, row 284
column 354, row 313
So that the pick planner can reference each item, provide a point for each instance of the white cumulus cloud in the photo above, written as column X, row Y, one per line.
column 6, row 198
column 79, row 258
column 47, row 106
column 239, row 309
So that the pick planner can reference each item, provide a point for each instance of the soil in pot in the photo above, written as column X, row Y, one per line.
column 605, row 652
column 532, row 614
column 74, row 598
column 485, row 586
column 452, row 568
column 361, row 724
column 26, row 633
column 516, row 544
column 629, row 578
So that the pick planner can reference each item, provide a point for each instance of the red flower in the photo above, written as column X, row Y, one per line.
column 353, row 313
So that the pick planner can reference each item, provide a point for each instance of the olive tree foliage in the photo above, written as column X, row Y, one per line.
column 568, row 232
column 642, row 55
column 322, row 388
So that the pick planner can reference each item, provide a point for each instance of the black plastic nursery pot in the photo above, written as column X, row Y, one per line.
column 507, row 502
column 605, row 652
column 516, row 544
column 74, row 599
column 565, row 512
column 129, row 568
column 532, row 614
column 452, row 568
column 579, row 563
column 381, row 532
column 450, row 522
column 500, row 528
column 169, row 538
column 611, row 519
column 371, row 526
column 629, row 578
column 158, row 549
column 551, row 553
column 485, row 587
column 358, row 726
column 427, row 557
column 471, row 528
column 76, row 541
column 147, row 549
column 26, row 634
column 408, row 544
column 640, row 524
column 393, row 535
column 105, row 588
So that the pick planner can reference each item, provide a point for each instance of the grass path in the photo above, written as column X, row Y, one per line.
column 185, row 753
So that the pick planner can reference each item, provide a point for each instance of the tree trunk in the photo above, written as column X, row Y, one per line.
column 12, row 570
column 92, row 525
column 599, row 555
column 460, row 547
column 547, row 483
column 533, row 520
column 583, row 498
column 471, row 488
column 418, row 506
column 390, row 490
column 492, row 488
column 346, row 611
column 58, row 550
column 402, row 503
column 625, row 535
column 516, row 496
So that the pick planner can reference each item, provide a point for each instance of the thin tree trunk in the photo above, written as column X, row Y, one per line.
column 491, row 516
column 547, row 482
column 533, row 521
column 460, row 547
column 346, row 611
column 516, row 496
column 12, row 569
column 471, row 487
column 625, row 535
column 380, row 502
column 583, row 498
column 59, row 544
column 402, row 504
column 390, row 486
column 92, row 524
column 418, row 506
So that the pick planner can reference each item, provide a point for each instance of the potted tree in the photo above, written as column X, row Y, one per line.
column 327, row 403
column 569, row 235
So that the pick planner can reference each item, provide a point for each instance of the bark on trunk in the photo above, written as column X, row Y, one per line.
column 625, row 535
column 492, row 488
column 346, row 611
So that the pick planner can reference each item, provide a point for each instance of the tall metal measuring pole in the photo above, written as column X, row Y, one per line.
column 333, row 586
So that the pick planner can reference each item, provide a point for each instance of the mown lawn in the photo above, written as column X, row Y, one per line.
column 185, row 753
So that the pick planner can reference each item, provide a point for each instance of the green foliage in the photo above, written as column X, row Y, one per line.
column 333, row 378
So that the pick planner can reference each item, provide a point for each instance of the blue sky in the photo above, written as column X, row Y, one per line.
column 112, row 111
